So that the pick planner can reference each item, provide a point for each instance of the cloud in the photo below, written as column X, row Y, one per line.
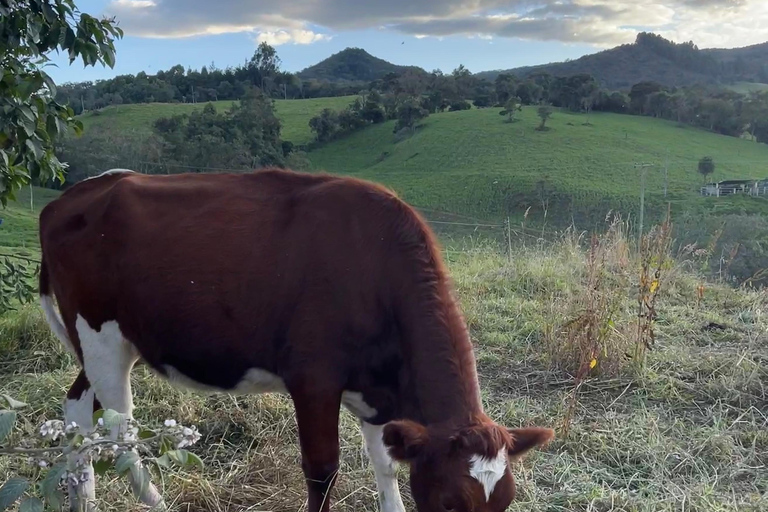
column 276, row 38
column 597, row 22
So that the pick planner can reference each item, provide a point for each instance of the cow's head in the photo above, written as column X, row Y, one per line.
column 465, row 470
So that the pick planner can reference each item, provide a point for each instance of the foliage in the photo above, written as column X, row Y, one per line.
column 330, row 124
column 706, row 166
column 16, row 278
column 94, row 447
column 460, row 105
column 409, row 113
column 245, row 136
column 511, row 106
column 544, row 112
column 32, row 119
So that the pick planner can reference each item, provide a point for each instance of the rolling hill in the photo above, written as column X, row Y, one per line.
column 475, row 164
column 653, row 58
column 472, row 163
column 138, row 118
column 352, row 64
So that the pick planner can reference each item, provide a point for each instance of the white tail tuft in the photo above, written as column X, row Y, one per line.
column 54, row 321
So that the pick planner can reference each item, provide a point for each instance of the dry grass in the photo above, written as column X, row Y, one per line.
column 689, row 432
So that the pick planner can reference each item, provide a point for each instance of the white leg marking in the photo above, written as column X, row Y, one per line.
column 354, row 402
column 254, row 381
column 384, row 468
column 107, row 360
column 55, row 323
column 488, row 471
column 80, row 411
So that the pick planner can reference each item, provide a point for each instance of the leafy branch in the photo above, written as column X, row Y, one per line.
column 112, row 444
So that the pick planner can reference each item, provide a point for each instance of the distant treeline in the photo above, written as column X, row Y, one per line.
column 711, row 107
column 178, row 85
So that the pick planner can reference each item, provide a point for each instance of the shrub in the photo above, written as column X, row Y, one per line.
column 460, row 105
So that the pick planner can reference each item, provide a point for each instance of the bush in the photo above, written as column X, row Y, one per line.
column 409, row 113
column 460, row 105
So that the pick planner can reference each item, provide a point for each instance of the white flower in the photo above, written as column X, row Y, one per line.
column 170, row 423
column 42, row 464
column 52, row 429
column 101, row 422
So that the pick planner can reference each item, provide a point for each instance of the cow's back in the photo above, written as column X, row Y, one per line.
column 218, row 268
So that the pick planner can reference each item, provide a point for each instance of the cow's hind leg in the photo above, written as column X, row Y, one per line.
column 79, row 407
column 108, row 359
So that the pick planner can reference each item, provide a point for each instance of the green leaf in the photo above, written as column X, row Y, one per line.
column 7, row 420
column 184, row 458
column 97, row 416
column 194, row 460
column 56, row 500
column 126, row 461
column 100, row 467
column 12, row 491
column 50, row 484
column 146, row 434
column 14, row 404
column 31, row 505
column 141, row 479
column 163, row 461
column 50, row 84
column 113, row 418
column 36, row 148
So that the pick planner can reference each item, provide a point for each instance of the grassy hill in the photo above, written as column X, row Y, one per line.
column 294, row 114
column 582, row 166
column 474, row 163
column 352, row 64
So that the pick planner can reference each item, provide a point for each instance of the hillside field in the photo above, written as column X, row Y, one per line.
column 689, row 432
column 294, row 114
column 472, row 162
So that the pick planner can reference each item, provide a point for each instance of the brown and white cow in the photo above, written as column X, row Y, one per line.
column 329, row 289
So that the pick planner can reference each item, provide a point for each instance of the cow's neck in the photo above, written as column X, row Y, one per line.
column 442, row 373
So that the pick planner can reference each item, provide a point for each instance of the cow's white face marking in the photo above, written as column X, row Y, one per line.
column 254, row 381
column 488, row 471
column 110, row 171
column 354, row 402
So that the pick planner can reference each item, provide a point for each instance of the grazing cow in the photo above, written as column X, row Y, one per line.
column 329, row 289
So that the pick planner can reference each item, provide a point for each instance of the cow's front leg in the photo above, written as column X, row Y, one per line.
column 317, row 415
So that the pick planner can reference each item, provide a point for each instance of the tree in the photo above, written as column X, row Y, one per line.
column 32, row 118
column 544, row 112
column 264, row 64
column 510, row 107
column 706, row 166
column 409, row 113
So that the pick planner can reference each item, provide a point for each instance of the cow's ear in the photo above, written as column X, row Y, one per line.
column 405, row 439
column 526, row 439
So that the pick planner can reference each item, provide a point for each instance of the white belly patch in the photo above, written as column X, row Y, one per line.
column 254, row 381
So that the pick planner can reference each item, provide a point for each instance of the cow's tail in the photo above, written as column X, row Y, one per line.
column 52, row 315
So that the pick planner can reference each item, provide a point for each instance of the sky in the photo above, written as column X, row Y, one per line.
column 432, row 34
